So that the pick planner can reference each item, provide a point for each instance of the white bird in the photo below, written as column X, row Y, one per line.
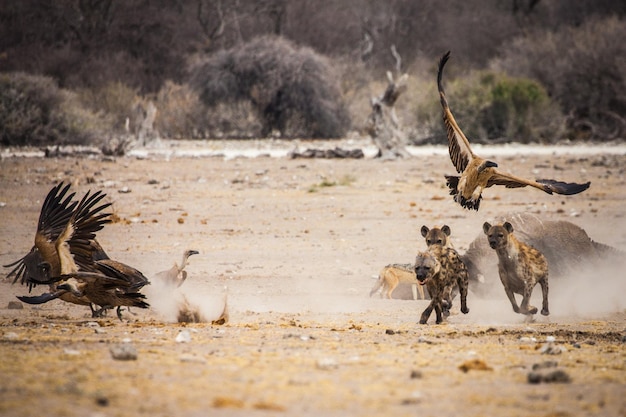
column 176, row 275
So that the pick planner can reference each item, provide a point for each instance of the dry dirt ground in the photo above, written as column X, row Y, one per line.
column 294, row 246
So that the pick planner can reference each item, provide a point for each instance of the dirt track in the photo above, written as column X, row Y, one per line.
column 294, row 245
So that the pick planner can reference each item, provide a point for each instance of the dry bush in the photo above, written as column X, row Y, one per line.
column 114, row 101
column 180, row 112
column 582, row 68
column 34, row 111
column 293, row 90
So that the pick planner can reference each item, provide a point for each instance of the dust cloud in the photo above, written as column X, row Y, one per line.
column 171, row 302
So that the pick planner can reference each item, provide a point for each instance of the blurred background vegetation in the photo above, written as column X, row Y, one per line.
column 80, row 71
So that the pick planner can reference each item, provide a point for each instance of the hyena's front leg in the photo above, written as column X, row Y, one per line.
column 462, row 284
column 438, row 314
column 509, row 293
column 525, row 307
column 544, row 291
column 426, row 313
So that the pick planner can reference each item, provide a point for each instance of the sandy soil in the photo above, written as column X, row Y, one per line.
column 295, row 246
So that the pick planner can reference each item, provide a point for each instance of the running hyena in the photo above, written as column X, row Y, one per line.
column 437, row 239
column 440, row 269
column 520, row 266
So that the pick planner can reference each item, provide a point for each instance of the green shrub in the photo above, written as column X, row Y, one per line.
column 491, row 106
column 582, row 68
column 34, row 111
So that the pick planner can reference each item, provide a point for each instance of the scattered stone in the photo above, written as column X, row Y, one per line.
column 326, row 363
column 416, row 374
column 476, row 365
column 15, row 305
column 557, row 376
column 187, row 357
column 183, row 337
column 422, row 339
column 415, row 398
column 124, row 352
column 525, row 339
column 552, row 349
column 102, row 401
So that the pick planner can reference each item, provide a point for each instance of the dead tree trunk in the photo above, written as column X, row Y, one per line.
column 383, row 124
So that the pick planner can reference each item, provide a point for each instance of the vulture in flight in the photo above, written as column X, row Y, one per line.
column 478, row 173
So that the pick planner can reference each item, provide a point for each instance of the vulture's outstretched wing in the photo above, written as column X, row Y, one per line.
column 458, row 145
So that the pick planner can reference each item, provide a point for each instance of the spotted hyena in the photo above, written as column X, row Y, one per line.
column 440, row 269
column 392, row 275
column 520, row 266
column 437, row 236
column 440, row 238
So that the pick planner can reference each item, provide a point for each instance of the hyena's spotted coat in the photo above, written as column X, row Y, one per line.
column 440, row 269
column 521, row 267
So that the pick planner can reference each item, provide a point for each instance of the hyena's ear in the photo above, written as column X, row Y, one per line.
column 424, row 231
column 486, row 227
column 446, row 229
column 508, row 226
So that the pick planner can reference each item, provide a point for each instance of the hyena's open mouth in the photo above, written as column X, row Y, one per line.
column 422, row 282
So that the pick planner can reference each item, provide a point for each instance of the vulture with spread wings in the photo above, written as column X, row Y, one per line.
column 478, row 173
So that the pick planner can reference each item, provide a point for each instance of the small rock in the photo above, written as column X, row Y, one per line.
column 552, row 349
column 416, row 374
column 525, row 339
column 102, row 401
column 93, row 324
column 327, row 363
column 556, row 376
column 124, row 190
column 71, row 352
column 187, row 357
column 15, row 305
column 415, row 398
column 476, row 365
column 124, row 352
column 183, row 337
column 390, row 331
column 11, row 336
column 544, row 365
